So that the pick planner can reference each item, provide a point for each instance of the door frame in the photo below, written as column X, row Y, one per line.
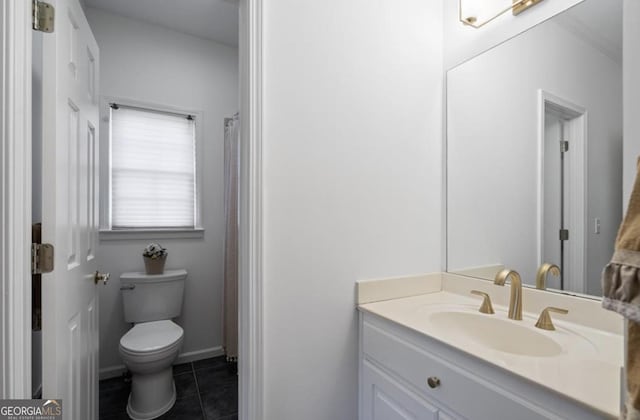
column 15, row 208
column 251, row 307
column 576, row 255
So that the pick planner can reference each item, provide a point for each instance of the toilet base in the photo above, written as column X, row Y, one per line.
column 151, row 395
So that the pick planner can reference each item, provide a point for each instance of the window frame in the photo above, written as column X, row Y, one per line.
column 106, row 230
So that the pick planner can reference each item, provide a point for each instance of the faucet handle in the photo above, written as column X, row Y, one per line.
column 545, row 322
column 486, row 307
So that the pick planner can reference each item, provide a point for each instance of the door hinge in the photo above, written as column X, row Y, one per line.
column 44, row 16
column 41, row 258
column 564, row 234
column 564, row 146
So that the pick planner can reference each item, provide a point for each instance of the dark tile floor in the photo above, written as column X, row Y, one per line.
column 206, row 390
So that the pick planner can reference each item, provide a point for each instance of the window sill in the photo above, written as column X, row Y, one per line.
column 132, row 234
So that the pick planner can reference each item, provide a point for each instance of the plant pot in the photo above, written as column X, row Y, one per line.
column 154, row 265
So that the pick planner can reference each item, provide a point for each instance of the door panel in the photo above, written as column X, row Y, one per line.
column 385, row 399
column 69, row 212
column 92, row 192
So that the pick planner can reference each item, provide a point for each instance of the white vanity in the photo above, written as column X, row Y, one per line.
column 433, row 355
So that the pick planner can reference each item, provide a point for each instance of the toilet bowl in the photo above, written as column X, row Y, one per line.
column 151, row 346
column 148, row 351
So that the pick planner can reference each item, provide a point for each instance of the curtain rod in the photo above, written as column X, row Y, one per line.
column 116, row 106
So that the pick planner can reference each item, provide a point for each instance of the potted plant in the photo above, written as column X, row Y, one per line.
column 154, row 258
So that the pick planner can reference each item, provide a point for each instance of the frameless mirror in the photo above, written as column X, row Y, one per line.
column 534, row 151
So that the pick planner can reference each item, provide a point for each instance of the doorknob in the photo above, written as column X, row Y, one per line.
column 101, row 277
column 433, row 382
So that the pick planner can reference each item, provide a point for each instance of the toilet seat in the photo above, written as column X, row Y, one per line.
column 149, row 338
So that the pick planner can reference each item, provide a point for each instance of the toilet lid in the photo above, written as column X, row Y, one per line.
column 151, row 336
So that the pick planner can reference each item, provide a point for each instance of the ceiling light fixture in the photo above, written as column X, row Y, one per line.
column 517, row 7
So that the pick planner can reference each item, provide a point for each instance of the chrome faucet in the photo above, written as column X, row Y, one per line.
column 541, row 276
column 515, row 303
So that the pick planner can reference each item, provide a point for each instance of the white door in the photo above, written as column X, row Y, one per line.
column 69, row 212
column 563, row 192
column 551, row 197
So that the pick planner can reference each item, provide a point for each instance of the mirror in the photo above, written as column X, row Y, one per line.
column 534, row 151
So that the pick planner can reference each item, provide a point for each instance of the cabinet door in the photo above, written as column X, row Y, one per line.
column 383, row 398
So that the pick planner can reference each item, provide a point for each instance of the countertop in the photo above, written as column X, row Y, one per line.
column 594, row 357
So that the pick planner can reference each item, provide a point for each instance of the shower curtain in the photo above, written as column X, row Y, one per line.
column 231, row 174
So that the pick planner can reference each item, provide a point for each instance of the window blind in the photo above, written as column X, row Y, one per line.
column 152, row 169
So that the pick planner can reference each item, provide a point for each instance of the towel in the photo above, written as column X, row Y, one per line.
column 633, row 373
column 621, row 277
column 621, row 288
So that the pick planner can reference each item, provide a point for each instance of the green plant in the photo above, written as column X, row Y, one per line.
column 154, row 251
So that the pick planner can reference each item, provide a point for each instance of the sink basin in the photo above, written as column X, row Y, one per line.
column 496, row 333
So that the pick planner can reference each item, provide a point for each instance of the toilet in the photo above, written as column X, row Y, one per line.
column 151, row 346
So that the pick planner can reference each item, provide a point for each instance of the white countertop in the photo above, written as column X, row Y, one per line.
column 588, row 371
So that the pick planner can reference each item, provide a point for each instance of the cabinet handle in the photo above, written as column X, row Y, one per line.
column 433, row 382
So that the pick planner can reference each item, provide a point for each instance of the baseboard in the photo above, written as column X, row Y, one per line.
column 112, row 372
column 192, row 356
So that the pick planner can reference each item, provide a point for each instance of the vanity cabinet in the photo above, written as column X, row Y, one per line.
column 384, row 398
column 405, row 374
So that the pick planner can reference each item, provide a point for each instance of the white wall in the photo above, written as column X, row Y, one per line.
column 493, row 148
column 152, row 64
column 631, row 27
column 352, row 182
column 463, row 42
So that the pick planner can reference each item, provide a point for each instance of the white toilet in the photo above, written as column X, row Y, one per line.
column 152, row 345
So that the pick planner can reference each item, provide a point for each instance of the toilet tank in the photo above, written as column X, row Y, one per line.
column 152, row 297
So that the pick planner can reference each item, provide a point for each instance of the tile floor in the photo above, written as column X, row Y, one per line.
column 207, row 390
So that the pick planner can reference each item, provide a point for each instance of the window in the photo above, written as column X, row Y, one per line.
column 152, row 170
